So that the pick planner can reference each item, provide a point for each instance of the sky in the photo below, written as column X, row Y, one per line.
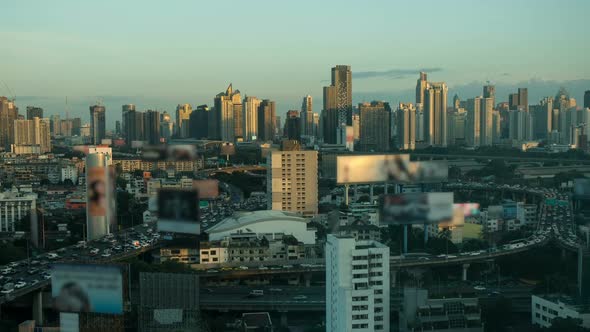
column 158, row 54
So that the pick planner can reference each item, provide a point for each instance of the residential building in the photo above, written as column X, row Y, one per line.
column 486, row 121
column 151, row 124
column 134, row 126
column 167, row 126
column 34, row 132
column 545, row 308
column 266, row 120
column 251, row 105
column 293, row 126
column 357, row 285
column 14, row 207
column 406, row 126
column 124, row 109
column 375, row 126
column 292, row 181
column 199, row 122
column 8, row 113
column 183, row 113
column 228, row 108
column 97, row 124
column 435, row 114
column 307, row 116
column 34, row 112
column 337, row 110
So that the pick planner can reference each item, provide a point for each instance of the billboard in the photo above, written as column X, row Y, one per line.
column 178, row 211
column 208, row 189
column 368, row 168
column 469, row 209
column 87, row 288
column 227, row 149
column 416, row 208
column 97, row 191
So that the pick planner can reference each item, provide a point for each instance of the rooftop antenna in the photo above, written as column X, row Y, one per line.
column 9, row 91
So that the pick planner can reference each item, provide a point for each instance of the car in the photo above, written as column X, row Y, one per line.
column 451, row 256
column 94, row 251
column 423, row 258
column 242, row 267
column 256, row 293
column 106, row 254
column 479, row 288
column 288, row 266
column 6, row 290
column 20, row 284
column 212, row 271
column 32, row 271
column 47, row 276
column 262, row 267
column 300, row 297
column 275, row 290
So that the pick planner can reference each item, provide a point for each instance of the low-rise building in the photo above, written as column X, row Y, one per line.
column 545, row 308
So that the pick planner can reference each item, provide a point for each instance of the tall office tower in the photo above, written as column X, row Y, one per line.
column 421, row 86
column 66, row 127
column 435, row 114
column 456, row 102
column 316, row 125
column 76, row 124
column 587, row 99
column 419, row 124
column 520, row 125
column 374, row 129
column 496, row 127
column 199, row 126
column 457, row 123
column 227, row 104
column 567, row 120
column 151, row 124
column 166, row 126
column 489, row 91
column 118, row 127
column 54, row 122
column 98, row 197
column 562, row 100
column 513, row 101
column 542, row 118
column 292, row 181
column 357, row 285
column 523, row 98
column 307, row 115
column 34, row 112
column 97, row 124
column 33, row 133
column 356, row 127
column 278, row 127
column 238, row 122
column 124, row 109
column 183, row 113
column 266, row 120
column 406, row 126
column 8, row 113
column 293, row 126
column 337, row 111
column 134, row 124
column 486, row 118
column 473, row 127
column 251, row 105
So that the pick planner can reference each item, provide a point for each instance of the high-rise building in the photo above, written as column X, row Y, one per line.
column 435, row 114
column 543, row 118
column 567, row 121
column 251, row 105
column 66, row 127
column 199, row 126
column 457, row 127
column 496, row 127
column 76, row 125
column 356, row 127
column 98, row 198
column 238, row 122
column 489, row 91
column 97, row 124
column 337, row 111
column 421, row 86
column 151, row 123
column 307, row 116
column 34, row 133
column 8, row 113
column 406, row 126
column 473, row 127
column 523, row 98
column 316, row 125
column 266, row 120
column 166, row 126
column 227, row 106
column 118, row 127
column 292, row 181
column 357, row 285
column 183, row 113
column 34, row 112
column 375, row 126
column 134, row 126
column 486, row 118
column 55, row 124
column 520, row 125
column 587, row 99
column 124, row 109
column 293, row 126
column 513, row 101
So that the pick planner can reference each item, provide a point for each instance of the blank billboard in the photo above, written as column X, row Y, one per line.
column 87, row 288
column 369, row 168
column 207, row 189
column 178, row 211
column 416, row 208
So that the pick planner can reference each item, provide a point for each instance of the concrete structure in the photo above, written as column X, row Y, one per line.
column 97, row 196
column 357, row 285
column 435, row 114
column 124, row 109
column 406, row 126
column 266, row 120
column 34, row 112
column 250, row 118
column 292, row 129
column 265, row 223
column 228, row 108
column 8, row 113
column 167, row 126
column 32, row 132
column 183, row 113
column 337, row 111
column 307, row 116
column 14, row 206
column 151, row 125
column 97, row 124
column 292, row 181
column 375, row 126
column 545, row 308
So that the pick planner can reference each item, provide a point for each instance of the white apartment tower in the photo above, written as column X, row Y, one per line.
column 406, row 126
column 292, row 181
column 357, row 285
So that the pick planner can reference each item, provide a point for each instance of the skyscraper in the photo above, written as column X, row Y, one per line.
column 523, row 98
column 8, row 113
column 513, row 101
column 489, row 91
column 357, row 285
column 473, row 128
column 435, row 114
column 124, row 109
column 307, row 116
column 266, row 120
column 587, row 99
column 406, row 126
column 199, row 126
column 183, row 113
column 486, row 118
column 134, row 124
column 34, row 112
column 251, row 105
column 151, row 123
column 338, row 105
column 227, row 106
column 166, row 126
column 300, row 170
column 34, row 133
column 421, row 86
column 293, row 126
column 97, row 124
column 356, row 126
column 374, row 129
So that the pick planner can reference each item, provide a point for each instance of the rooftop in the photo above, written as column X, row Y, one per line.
column 244, row 218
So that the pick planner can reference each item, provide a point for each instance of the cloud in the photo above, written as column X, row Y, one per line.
column 393, row 74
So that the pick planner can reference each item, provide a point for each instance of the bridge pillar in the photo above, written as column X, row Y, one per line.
column 465, row 267
column 307, row 278
column 38, row 307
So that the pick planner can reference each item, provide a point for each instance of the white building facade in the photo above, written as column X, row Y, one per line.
column 13, row 207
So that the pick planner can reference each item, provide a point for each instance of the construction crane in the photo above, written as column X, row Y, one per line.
column 10, row 93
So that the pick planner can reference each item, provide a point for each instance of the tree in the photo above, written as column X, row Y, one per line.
column 68, row 183
column 454, row 172
column 559, row 324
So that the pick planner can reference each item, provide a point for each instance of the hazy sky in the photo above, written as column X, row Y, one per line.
column 160, row 53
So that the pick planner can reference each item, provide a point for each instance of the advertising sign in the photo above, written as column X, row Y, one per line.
column 97, row 191
column 178, row 211
column 416, row 208
column 208, row 189
column 469, row 209
column 87, row 288
column 369, row 168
